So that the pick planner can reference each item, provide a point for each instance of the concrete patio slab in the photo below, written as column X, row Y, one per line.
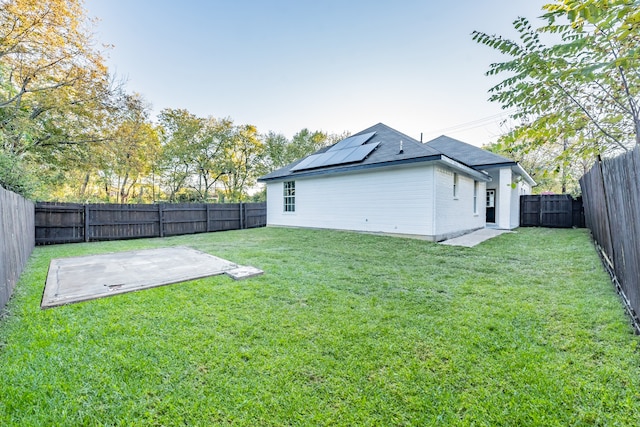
column 84, row 278
column 474, row 238
column 243, row 272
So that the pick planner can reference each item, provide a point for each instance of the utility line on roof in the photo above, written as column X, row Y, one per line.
column 471, row 124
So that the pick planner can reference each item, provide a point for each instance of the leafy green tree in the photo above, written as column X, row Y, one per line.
column 14, row 176
column 583, row 88
column 210, row 145
column 550, row 165
column 241, row 162
column 280, row 151
column 52, row 81
column 306, row 142
column 275, row 152
column 179, row 130
column 54, row 86
column 205, row 159
column 128, row 157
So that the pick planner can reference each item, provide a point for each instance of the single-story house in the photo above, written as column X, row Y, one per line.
column 381, row 180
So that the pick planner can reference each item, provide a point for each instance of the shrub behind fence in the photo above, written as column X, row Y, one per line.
column 72, row 222
column 611, row 194
column 16, row 240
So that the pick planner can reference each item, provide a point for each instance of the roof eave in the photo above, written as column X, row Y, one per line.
column 515, row 166
column 495, row 165
column 479, row 175
column 525, row 175
column 350, row 168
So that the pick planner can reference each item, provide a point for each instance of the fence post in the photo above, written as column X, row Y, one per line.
column 108, row 224
column 86, row 223
column 160, row 221
column 540, row 216
column 208, row 228
column 606, row 204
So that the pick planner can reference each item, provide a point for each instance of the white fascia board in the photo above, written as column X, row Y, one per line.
column 520, row 170
column 478, row 175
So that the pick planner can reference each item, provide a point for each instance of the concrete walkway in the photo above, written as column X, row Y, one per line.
column 474, row 238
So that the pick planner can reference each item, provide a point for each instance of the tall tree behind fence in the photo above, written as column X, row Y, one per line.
column 611, row 193
column 71, row 223
column 16, row 240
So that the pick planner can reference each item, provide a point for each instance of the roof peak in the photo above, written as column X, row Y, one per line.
column 381, row 125
column 467, row 153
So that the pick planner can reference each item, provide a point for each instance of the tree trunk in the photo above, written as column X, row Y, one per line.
column 85, row 183
column 123, row 191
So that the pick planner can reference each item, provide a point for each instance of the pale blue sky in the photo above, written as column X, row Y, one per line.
column 331, row 65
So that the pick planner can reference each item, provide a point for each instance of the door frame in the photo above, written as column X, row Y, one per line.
column 490, row 203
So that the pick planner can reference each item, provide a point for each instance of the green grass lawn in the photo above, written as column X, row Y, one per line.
column 342, row 329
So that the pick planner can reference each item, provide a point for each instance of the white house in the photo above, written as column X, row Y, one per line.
column 381, row 180
column 508, row 179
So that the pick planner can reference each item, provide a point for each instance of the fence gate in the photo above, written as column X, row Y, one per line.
column 553, row 210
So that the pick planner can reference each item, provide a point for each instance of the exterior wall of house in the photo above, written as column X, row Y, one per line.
column 394, row 200
column 503, row 197
column 454, row 215
column 522, row 188
column 501, row 183
column 509, row 187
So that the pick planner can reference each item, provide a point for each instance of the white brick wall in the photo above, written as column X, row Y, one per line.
column 393, row 200
column 522, row 188
column 508, row 196
column 413, row 200
column 455, row 214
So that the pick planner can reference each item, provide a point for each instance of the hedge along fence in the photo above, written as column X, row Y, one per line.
column 72, row 222
column 17, row 240
column 611, row 196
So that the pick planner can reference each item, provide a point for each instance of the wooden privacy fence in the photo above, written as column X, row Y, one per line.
column 611, row 193
column 551, row 210
column 71, row 222
column 16, row 240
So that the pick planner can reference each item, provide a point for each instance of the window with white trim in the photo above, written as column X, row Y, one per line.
column 455, row 184
column 475, row 197
column 289, row 192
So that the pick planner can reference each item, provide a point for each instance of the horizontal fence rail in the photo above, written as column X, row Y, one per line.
column 551, row 210
column 16, row 240
column 72, row 223
column 611, row 192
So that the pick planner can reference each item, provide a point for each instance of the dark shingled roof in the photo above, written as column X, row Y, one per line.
column 388, row 151
column 467, row 154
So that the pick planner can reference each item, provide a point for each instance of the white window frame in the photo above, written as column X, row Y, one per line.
column 455, row 185
column 475, row 196
column 289, row 196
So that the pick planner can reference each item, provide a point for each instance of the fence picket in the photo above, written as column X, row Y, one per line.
column 551, row 210
column 16, row 240
column 611, row 190
column 69, row 223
